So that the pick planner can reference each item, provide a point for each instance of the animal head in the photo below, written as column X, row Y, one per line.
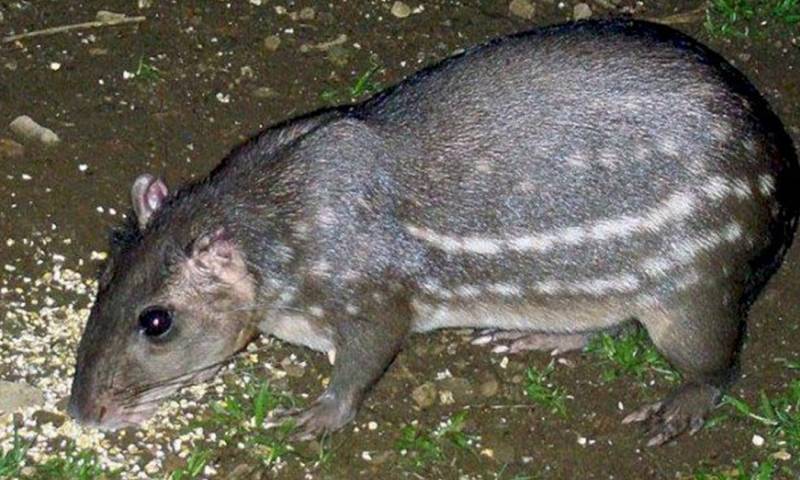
column 175, row 300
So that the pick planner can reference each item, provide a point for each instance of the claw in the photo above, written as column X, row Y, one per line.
column 643, row 413
column 684, row 411
column 280, row 416
column 325, row 415
column 482, row 340
column 659, row 439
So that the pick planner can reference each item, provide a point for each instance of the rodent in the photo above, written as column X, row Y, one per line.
column 554, row 183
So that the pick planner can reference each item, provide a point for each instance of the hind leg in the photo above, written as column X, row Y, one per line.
column 701, row 341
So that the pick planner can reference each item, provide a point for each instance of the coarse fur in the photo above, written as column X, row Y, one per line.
column 560, row 181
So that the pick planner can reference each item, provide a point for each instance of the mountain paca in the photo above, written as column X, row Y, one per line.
column 548, row 185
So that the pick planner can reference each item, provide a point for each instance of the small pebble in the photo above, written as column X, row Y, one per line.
column 11, row 149
column 489, row 387
column 272, row 43
column 98, row 256
column 307, row 13
column 424, row 395
column 782, row 455
column 26, row 127
column 14, row 396
column 581, row 11
column 264, row 92
column 522, row 8
column 400, row 10
column 758, row 440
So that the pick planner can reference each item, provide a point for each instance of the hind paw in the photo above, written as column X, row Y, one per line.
column 521, row 341
column 683, row 411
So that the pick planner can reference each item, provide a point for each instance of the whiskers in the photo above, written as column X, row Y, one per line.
column 140, row 398
column 266, row 306
column 143, row 397
column 154, row 392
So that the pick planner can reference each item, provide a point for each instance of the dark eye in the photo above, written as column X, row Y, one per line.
column 155, row 321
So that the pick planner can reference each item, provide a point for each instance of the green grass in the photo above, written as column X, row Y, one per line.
column 425, row 447
column 501, row 475
column 249, row 406
column 363, row 85
column 541, row 391
column 11, row 461
column 787, row 11
column 195, row 464
column 739, row 18
column 764, row 471
column 780, row 414
column 630, row 354
column 75, row 465
column 147, row 72
column 240, row 416
column 269, row 446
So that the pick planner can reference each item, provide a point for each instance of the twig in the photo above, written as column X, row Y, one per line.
column 76, row 26
column 526, row 406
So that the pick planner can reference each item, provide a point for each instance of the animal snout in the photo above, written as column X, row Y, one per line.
column 97, row 413
column 84, row 411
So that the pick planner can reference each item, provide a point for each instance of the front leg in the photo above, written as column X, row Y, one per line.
column 367, row 338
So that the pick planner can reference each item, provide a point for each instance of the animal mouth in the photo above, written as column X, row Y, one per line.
column 110, row 417
column 135, row 406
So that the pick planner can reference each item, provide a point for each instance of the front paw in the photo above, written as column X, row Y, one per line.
column 327, row 414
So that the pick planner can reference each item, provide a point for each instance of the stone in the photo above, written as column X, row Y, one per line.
column 307, row 13
column 14, row 396
column 424, row 395
column 10, row 149
column 489, row 386
column 264, row 92
column 582, row 11
column 26, row 127
column 401, row 10
column 460, row 387
column 272, row 43
column 522, row 8
column 43, row 417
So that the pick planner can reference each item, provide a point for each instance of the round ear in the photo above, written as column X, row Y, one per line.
column 148, row 194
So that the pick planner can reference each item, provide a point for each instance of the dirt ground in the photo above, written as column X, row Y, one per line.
column 172, row 94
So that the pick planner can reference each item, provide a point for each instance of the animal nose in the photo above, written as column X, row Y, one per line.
column 86, row 414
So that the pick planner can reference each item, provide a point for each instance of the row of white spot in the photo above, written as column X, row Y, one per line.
column 677, row 207
column 682, row 254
